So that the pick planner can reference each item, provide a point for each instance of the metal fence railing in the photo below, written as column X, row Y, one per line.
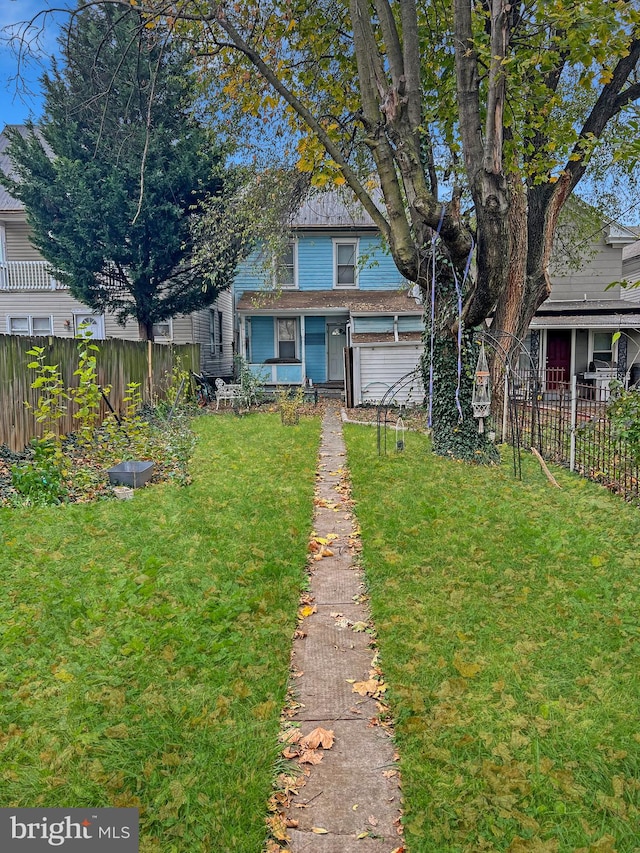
column 567, row 422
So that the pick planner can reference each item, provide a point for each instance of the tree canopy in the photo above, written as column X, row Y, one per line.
column 112, row 177
column 477, row 119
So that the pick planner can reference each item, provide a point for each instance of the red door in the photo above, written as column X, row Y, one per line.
column 558, row 357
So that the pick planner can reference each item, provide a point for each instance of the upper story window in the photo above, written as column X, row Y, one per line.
column 345, row 255
column 287, row 266
column 28, row 325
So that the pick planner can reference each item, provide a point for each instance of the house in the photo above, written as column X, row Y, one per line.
column 32, row 302
column 575, row 331
column 335, row 313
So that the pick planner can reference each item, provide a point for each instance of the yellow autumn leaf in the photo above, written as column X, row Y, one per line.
column 466, row 668
column 319, row 830
column 63, row 675
column 307, row 610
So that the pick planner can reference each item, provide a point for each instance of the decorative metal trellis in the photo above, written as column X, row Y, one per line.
column 505, row 357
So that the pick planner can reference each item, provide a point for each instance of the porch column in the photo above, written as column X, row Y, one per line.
column 303, row 353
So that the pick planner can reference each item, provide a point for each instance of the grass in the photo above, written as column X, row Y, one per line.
column 507, row 615
column 144, row 645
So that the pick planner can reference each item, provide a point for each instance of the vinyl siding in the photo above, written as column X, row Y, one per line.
column 590, row 281
column 315, row 348
column 18, row 245
column 381, row 366
column 262, row 344
column 199, row 328
column 315, row 265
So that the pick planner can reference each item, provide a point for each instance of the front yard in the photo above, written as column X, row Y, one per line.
column 507, row 616
column 144, row 645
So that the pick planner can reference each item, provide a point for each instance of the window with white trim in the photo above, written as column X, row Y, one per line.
column 345, row 263
column 163, row 331
column 287, row 337
column 602, row 348
column 30, row 325
column 287, row 267
column 215, row 331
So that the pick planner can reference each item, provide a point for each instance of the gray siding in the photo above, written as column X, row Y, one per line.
column 589, row 282
column 17, row 243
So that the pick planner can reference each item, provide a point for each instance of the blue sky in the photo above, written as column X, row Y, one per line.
column 21, row 98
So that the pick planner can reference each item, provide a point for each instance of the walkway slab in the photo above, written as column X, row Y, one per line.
column 350, row 802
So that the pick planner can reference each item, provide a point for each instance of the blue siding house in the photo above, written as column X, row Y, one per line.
column 337, row 299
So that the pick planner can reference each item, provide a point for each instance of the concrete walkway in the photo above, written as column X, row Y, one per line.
column 353, row 793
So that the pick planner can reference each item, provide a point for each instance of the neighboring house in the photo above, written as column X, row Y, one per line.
column 336, row 313
column 32, row 302
column 574, row 331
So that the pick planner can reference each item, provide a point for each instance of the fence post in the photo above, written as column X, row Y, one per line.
column 505, row 405
column 574, row 421
column 150, row 370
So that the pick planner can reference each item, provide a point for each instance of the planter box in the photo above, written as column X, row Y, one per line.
column 132, row 474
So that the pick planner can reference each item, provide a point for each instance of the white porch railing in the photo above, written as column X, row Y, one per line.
column 27, row 275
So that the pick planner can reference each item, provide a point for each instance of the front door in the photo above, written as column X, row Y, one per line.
column 558, row 357
column 337, row 341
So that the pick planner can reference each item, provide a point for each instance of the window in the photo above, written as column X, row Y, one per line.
column 162, row 331
column 30, row 325
column 286, row 268
column 602, row 348
column 215, row 331
column 287, row 335
column 346, row 260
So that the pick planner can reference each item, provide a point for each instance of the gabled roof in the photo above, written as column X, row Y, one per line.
column 333, row 208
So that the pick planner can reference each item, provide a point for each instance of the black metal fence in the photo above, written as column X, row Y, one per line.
column 568, row 424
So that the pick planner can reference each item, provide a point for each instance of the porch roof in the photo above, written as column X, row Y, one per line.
column 328, row 302
column 586, row 321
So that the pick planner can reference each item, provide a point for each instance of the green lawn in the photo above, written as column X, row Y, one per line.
column 144, row 645
column 507, row 615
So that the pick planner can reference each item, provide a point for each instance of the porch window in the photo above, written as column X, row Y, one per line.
column 286, row 267
column 287, row 336
column 602, row 347
column 346, row 261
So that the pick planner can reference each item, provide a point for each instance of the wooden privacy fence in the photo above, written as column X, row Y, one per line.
column 119, row 362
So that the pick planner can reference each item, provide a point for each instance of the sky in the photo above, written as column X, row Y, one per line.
column 20, row 95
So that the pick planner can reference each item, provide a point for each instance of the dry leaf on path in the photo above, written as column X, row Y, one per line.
column 318, row 737
column 319, row 830
column 311, row 756
column 367, row 688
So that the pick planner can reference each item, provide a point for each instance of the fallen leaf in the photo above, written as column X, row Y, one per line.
column 278, row 826
column 465, row 668
column 358, row 627
column 318, row 737
column 319, row 830
column 292, row 823
column 311, row 756
column 362, row 835
column 372, row 820
column 307, row 610
column 289, row 753
column 368, row 688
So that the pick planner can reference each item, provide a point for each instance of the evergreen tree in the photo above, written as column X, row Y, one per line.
column 112, row 177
